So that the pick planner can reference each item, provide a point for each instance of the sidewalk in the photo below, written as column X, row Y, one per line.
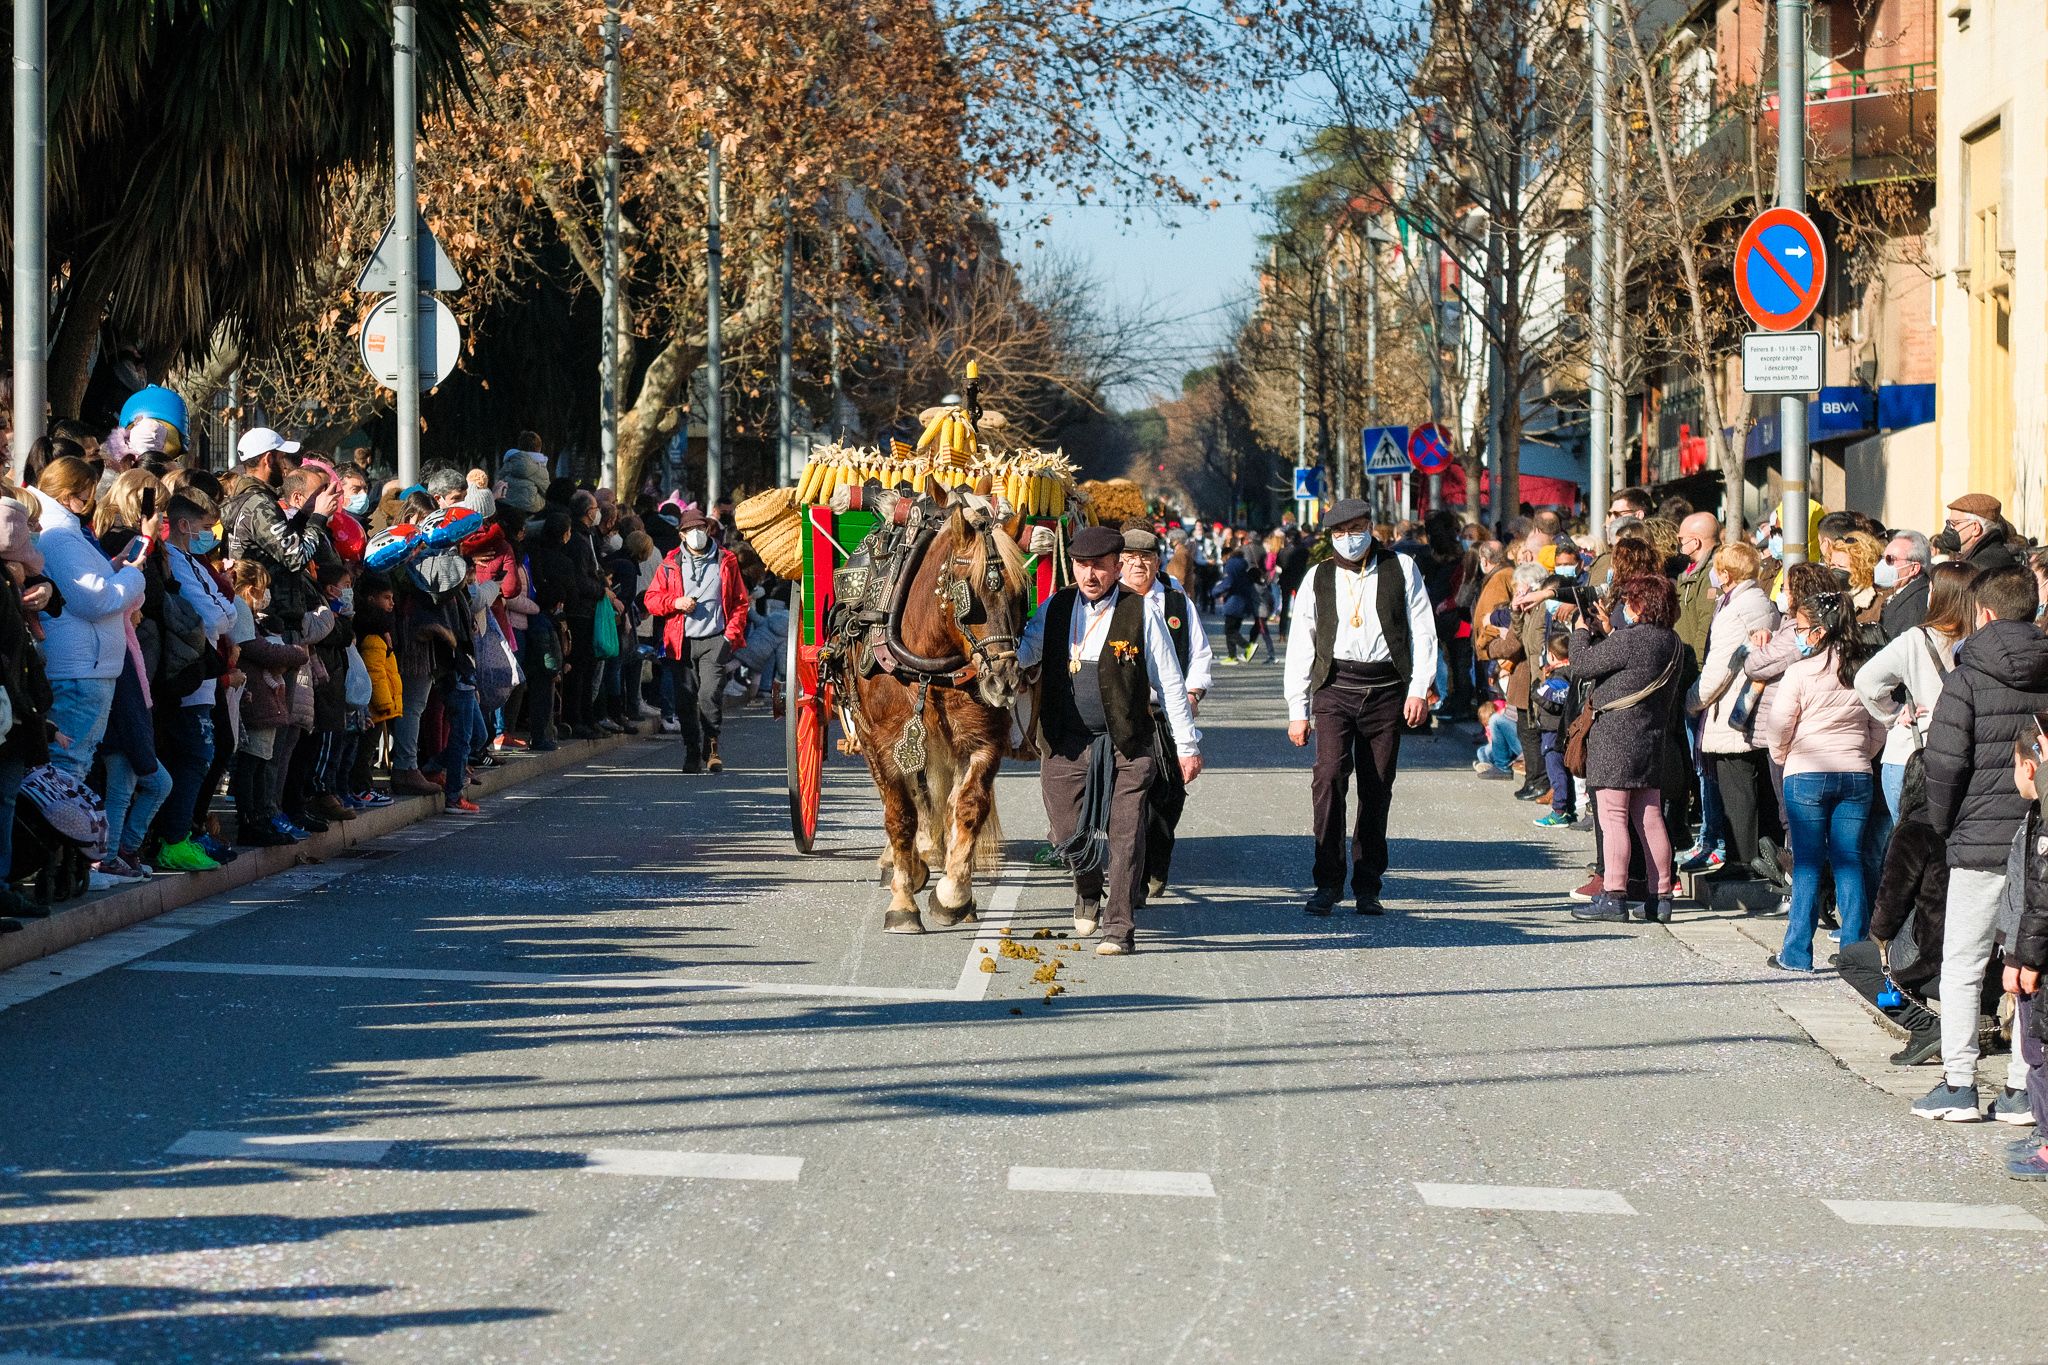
column 80, row 921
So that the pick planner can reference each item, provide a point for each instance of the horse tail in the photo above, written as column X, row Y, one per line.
column 988, row 843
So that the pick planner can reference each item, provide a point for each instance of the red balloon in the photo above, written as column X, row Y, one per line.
column 348, row 535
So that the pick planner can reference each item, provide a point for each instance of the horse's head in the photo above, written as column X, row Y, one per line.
column 984, row 582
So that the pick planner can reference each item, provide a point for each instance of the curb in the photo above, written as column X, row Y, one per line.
column 80, row 921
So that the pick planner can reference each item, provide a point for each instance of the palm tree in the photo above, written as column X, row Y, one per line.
column 193, row 148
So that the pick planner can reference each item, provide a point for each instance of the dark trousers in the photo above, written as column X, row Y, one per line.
column 540, row 686
column 1355, row 732
column 282, row 770
column 1741, row 778
column 1062, row 780
column 1534, row 773
column 184, row 742
column 1232, row 645
column 2027, row 1035
column 250, row 789
column 1561, row 789
column 465, row 723
column 580, row 679
column 217, row 768
column 1164, row 803
column 701, row 675
column 1863, row 969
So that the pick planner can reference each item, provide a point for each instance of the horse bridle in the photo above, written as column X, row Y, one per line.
column 990, row 648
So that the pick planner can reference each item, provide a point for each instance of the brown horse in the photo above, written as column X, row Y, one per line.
column 935, row 726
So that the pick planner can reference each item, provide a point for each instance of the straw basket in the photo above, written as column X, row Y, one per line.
column 770, row 522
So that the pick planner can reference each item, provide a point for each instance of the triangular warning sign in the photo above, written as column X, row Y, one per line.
column 437, row 273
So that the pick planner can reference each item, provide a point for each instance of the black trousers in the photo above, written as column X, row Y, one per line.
column 1355, row 732
column 701, row 676
column 1164, row 802
column 1742, row 779
column 1534, row 774
column 1062, row 780
column 1863, row 969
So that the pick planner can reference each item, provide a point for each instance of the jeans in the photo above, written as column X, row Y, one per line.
column 1828, row 812
column 184, row 742
column 1504, row 742
column 79, row 708
column 405, row 728
column 12, row 770
column 465, row 726
column 1712, row 834
column 1966, row 938
column 132, row 801
column 1891, row 778
column 1560, row 778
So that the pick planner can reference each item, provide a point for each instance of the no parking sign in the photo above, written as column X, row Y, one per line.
column 1429, row 449
column 1781, row 266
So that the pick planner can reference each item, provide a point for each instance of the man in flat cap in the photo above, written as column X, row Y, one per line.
column 1104, row 650
column 1977, row 521
column 1360, row 662
column 1169, row 795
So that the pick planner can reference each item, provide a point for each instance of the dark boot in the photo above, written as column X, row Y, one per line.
column 1605, row 907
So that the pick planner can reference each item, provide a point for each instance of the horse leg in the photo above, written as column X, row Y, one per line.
column 972, row 803
column 899, row 820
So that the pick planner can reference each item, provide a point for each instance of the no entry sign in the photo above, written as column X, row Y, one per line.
column 1429, row 449
column 1780, row 268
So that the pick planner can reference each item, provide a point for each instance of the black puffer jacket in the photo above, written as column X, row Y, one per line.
column 1912, row 901
column 2000, row 681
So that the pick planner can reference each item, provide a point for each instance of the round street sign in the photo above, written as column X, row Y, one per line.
column 1781, row 266
column 440, row 342
column 1429, row 449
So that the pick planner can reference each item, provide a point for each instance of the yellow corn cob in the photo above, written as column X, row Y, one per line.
column 931, row 433
column 807, row 486
column 1059, row 497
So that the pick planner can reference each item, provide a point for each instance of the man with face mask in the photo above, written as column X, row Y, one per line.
column 1360, row 662
column 702, row 600
column 1908, row 559
column 1977, row 521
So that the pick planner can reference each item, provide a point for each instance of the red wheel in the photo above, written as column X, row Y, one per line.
column 803, row 725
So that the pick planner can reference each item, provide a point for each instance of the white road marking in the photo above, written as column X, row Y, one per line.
column 1913, row 1213
column 695, row 1165
column 651, row 981
column 1083, row 1180
column 364, row 1151
column 1523, row 1198
column 1002, row 906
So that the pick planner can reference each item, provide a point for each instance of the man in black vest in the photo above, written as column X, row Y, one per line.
column 1169, row 795
column 1360, row 662
column 1104, row 650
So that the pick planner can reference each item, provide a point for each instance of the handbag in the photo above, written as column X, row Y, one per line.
column 1581, row 728
column 604, row 631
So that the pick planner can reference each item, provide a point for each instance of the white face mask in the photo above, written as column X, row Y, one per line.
column 697, row 538
column 1783, row 602
column 1885, row 575
column 612, row 543
column 1350, row 544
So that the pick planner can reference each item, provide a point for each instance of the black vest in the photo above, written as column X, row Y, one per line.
column 1391, row 602
column 1183, row 643
column 1125, row 688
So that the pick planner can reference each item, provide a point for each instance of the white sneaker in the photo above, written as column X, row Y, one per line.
column 671, row 726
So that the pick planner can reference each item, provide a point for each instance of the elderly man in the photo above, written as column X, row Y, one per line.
column 1978, row 522
column 1169, row 795
column 1104, row 651
column 1904, row 569
column 1360, row 662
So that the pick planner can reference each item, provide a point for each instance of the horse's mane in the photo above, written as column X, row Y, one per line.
column 1007, row 551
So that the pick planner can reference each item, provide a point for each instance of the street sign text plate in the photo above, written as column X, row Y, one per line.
column 1781, row 362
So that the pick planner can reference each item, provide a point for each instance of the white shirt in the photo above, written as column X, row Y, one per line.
column 1089, row 627
column 1363, row 643
column 1201, row 659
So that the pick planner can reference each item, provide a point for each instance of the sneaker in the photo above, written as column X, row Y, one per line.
column 1603, row 907
column 214, row 848
column 288, row 829
column 1918, row 1051
column 307, row 822
column 185, row 856
column 1111, row 947
column 1321, row 903
column 2026, row 1144
column 508, row 742
column 1949, row 1103
column 372, row 800
column 1584, row 824
column 2027, row 1166
column 1087, row 917
column 671, row 726
column 462, row 805
column 1555, row 819
column 2011, row 1107
column 1661, row 912
column 1590, row 892
column 112, row 871
column 1701, row 859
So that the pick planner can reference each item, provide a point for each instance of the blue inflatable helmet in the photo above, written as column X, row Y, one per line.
column 158, row 402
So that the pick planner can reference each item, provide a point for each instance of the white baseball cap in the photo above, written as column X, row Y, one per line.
column 260, row 441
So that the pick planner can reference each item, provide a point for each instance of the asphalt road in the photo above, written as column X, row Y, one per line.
column 469, row 1098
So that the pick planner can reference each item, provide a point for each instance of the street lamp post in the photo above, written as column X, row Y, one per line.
column 31, row 252
column 608, row 363
column 786, row 359
column 714, row 401
column 1601, row 414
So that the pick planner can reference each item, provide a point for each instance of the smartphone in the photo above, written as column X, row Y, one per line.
column 144, row 543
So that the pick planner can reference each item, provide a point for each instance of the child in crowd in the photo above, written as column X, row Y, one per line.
column 1550, row 695
column 265, row 660
column 375, row 602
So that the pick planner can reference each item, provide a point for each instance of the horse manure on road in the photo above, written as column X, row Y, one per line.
column 988, row 964
column 1043, row 933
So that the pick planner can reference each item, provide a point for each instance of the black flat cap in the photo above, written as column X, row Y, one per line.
column 1345, row 509
column 1093, row 542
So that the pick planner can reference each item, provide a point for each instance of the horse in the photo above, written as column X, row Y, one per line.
column 933, row 719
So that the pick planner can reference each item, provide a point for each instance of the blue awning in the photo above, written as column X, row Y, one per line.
column 1846, row 411
column 1904, row 405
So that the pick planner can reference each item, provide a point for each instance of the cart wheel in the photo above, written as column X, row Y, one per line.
column 803, row 723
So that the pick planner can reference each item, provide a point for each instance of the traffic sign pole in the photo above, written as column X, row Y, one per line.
column 405, row 217
column 1792, row 195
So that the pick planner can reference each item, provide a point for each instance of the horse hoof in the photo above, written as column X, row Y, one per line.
column 948, row 916
column 902, row 922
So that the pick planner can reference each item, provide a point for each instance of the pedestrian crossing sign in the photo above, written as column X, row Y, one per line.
column 1386, row 450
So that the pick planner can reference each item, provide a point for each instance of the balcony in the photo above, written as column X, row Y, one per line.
column 1867, row 126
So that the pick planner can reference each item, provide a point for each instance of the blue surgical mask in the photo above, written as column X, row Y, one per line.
column 1567, row 571
column 1806, row 647
column 1776, row 545
column 357, row 504
column 1623, row 616
column 204, row 542
column 1350, row 544
column 1885, row 575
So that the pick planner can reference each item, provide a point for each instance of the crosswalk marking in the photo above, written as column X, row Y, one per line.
column 1913, row 1213
column 694, row 1165
column 1524, row 1198
column 365, row 1151
column 1086, row 1180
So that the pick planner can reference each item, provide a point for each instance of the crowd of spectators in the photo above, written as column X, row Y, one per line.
column 311, row 639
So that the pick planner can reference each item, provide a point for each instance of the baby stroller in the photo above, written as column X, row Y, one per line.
column 60, row 830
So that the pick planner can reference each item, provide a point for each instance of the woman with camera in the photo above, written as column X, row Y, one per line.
column 1634, row 660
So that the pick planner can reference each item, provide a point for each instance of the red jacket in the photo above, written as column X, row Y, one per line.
column 668, row 585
